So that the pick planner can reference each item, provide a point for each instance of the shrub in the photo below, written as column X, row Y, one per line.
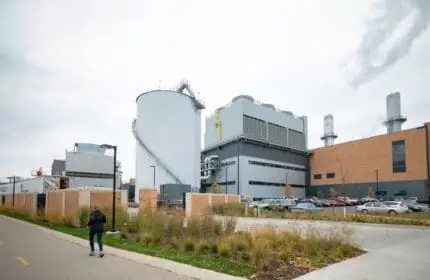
column 213, row 248
column 203, row 248
column 260, row 253
column 224, row 250
column 84, row 214
column 189, row 245
column 68, row 221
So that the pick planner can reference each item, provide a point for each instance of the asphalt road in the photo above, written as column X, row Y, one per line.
column 26, row 253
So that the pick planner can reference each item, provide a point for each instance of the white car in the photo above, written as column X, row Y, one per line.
column 388, row 207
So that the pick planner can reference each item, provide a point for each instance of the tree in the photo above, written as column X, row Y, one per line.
column 370, row 192
column 332, row 192
column 216, row 188
column 319, row 194
column 288, row 190
column 343, row 171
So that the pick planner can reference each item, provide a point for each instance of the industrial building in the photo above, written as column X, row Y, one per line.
column 168, row 139
column 254, row 150
column 389, row 165
column 86, row 166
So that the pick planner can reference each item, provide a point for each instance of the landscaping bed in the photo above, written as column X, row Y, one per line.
column 238, row 210
column 214, row 244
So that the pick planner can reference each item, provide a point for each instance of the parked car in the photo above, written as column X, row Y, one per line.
column 348, row 201
column 367, row 199
column 267, row 203
column 305, row 207
column 389, row 207
column 326, row 202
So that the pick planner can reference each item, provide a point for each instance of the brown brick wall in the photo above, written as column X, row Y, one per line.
column 147, row 198
column 54, row 203
column 71, row 207
column 104, row 198
column 199, row 204
column 356, row 161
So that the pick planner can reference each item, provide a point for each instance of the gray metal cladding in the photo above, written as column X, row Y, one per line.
column 296, row 139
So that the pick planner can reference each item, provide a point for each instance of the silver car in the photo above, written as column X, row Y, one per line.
column 389, row 207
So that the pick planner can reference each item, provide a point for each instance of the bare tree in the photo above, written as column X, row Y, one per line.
column 344, row 168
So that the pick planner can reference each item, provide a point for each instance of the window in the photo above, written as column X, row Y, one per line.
column 273, row 165
column 399, row 156
column 317, row 176
column 330, row 175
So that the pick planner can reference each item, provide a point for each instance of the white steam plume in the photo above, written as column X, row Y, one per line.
column 373, row 56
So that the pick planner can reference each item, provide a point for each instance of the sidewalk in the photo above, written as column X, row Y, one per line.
column 167, row 265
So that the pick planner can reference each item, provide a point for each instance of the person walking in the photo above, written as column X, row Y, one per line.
column 96, row 224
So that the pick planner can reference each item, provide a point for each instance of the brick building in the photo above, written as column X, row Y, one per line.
column 393, row 164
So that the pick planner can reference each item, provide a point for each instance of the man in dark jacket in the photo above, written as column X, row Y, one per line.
column 96, row 225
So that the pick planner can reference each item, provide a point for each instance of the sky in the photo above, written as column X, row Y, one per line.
column 70, row 71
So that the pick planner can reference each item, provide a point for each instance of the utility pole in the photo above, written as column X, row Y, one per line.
column 377, row 183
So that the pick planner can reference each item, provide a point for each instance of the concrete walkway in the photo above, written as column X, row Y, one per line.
column 28, row 251
column 394, row 252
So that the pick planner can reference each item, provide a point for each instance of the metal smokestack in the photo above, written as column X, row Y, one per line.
column 394, row 119
column 329, row 134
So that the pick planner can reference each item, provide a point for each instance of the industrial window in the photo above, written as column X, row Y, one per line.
column 272, row 184
column 228, row 163
column 399, row 156
column 88, row 175
column 273, row 165
column 226, row 183
column 317, row 176
column 330, row 175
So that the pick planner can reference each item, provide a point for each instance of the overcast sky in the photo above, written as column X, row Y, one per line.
column 70, row 71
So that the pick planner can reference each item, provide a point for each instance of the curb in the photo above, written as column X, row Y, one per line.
column 300, row 221
column 159, row 263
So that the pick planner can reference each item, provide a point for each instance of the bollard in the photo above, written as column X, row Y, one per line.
column 259, row 211
column 344, row 212
column 246, row 210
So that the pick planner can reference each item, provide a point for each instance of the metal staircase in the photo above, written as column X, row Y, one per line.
column 151, row 154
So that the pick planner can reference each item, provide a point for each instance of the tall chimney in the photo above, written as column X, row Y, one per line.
column 394, row 119
column 329, row 134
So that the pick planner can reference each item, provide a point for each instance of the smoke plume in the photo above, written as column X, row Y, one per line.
column 382, row 45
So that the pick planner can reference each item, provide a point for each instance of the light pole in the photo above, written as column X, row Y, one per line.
column 153, row 185
column 226, row 181
column 286, row 180
column 13, row 191
column 107, row 146
column 377, row 183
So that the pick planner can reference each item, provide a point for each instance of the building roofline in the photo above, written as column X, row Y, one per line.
column 375, row 136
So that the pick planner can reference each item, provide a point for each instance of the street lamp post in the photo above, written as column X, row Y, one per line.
column 107, row 146
column 153, row 185
column 226, row 181
column 13, row 191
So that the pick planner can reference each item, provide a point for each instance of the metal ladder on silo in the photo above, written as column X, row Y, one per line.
column 151, row 154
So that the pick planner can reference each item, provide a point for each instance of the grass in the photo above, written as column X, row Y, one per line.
column 214, row 244
column 415, row 219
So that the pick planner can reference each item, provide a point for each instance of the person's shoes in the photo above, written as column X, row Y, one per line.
column 92, row 253
column 102, row 254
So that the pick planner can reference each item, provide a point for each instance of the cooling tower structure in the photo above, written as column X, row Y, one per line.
column 329, row 134
column 168, row 138
column 394, row 119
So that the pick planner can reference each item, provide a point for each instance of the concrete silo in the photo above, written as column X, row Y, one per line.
column 168, row 138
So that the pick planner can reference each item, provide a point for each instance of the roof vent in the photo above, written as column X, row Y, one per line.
column 247, row 97
column 271, row 106
column 289, row 113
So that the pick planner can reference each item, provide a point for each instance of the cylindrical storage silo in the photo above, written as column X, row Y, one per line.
column 168, row 135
